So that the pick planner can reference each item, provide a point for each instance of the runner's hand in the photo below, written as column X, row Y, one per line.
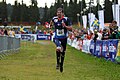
column 63, row 24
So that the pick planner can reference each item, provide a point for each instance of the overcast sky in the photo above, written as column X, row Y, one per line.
column 41, row 3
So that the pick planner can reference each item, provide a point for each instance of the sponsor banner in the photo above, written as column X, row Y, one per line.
column 117, row 58
column 109, row 49
column 43, row 37
column 80, row 44
column 15, row 26
column 86, row 46
column 74, row 42
column 26, row 37
column 69, row 41
column 77, row 45
column 98, row 50
column 17, row 35
column 92, row 47
column 112, row 49
column 105, row 51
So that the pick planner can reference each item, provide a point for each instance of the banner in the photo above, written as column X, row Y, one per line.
column 74, row 42
column 23, row 36
column 86, row 46
column 26, row 37
column 69, row 41
column 101, row 19
column 17, row 35
column 84, row 17
column 92, row 47
column 117, row 58
column 112, row 49
column 98, row 50
column 105, row 51
column 43, row 37
column 77, row 45
column 116, row 13
column 109, row 49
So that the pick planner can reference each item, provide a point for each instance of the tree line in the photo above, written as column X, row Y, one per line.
column 32, row 13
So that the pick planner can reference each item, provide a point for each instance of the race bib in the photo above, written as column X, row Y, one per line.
column 60, row 32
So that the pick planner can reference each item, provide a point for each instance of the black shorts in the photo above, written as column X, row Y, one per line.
column 61, row 42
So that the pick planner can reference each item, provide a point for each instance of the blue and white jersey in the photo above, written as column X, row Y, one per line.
column 60, row 31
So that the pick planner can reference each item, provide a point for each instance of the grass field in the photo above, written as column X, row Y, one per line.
column 37, row 62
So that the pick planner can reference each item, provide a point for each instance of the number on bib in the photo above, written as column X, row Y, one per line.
column 60, row 32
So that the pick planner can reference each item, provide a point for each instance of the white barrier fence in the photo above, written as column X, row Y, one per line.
column 101, row 48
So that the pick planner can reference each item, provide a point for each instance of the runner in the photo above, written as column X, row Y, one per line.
column 62, row 25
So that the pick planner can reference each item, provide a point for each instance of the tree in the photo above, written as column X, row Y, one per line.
column 115, row 1
column 57, row 3
column 83, row 4
column 45, row 18
column 33, row 2
column 9, row 12
column 16, row 12
column 65, row 7
column 70, row 11
column 52, row 11
column 96, row 9
column 22, row 13
column 3, row 10
column 108, row 11
column 33, row 13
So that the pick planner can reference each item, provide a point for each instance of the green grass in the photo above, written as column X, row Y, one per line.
column 37, row 62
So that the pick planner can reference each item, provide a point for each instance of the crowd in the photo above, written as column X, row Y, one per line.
column 12, row 31
column 110, row 32
column 7, row 32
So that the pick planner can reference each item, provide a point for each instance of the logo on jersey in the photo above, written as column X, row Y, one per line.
column 56, row 20
column 58, row 24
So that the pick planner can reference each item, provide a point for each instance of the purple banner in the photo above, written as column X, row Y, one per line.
column 92, row 47
column 26, row 37
column 105, row 51
column 113, row 49
column 98, row 49
column 43, row 37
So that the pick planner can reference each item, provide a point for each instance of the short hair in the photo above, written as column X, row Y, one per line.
column 114, row 21
column 60, row 9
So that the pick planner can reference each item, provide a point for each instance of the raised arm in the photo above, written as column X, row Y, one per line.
column 51, row 24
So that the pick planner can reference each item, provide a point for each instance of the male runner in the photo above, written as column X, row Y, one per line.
column 62, row 25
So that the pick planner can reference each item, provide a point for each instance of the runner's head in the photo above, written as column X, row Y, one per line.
column 60, row 12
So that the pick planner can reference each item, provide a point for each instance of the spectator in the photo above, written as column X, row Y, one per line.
column 114, row 30
column 1, row 31
column 11, row 33
column 5, row 32
column 99, row 35
column 105, row 34
column 95, row 35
